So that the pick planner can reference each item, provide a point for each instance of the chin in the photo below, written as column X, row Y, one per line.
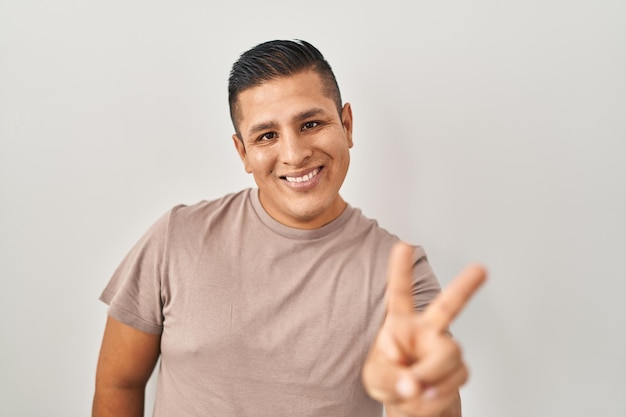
column 311, row 213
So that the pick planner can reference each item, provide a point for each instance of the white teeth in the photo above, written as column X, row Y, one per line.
column 306, row 177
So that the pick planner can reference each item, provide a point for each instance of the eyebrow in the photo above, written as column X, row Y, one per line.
column 306, row 114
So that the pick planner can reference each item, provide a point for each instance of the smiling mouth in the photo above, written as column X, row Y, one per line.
column 304, row 178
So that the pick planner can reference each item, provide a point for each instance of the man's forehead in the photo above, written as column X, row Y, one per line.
column 283, row 99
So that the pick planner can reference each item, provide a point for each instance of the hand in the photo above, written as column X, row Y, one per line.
column 414, row 366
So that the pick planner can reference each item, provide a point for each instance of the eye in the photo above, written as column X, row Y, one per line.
column 266, row 136
column 310, row 125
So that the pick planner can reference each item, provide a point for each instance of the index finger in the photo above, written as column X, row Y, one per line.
column 449, row 303
column 400, row 279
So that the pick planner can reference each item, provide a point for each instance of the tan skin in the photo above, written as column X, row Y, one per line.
column 289, row 128
column 127, row 359
column 414, row 366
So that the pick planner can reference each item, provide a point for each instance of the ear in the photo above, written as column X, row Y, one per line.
column 241, row 150
column 346, row 120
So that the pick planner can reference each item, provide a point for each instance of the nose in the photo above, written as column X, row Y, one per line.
column 295, row 150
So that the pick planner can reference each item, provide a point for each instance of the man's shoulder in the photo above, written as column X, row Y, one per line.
column 369, row 229
column 204, row 208
column 369, row 225
column 195, row 219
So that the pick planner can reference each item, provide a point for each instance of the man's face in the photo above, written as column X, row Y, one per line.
column 296, row 146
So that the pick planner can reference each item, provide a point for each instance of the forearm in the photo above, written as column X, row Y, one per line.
column 118, row 402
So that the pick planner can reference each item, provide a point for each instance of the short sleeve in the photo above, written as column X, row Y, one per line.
column 425, row 284
column 133, row 293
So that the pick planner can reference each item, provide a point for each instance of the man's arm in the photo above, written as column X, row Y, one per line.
column 127, row 359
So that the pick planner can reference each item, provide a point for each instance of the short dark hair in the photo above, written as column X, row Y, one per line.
column 275, row 59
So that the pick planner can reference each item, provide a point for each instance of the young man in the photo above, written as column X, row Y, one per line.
column 281, row 300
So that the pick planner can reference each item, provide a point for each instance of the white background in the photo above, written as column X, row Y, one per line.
column 488, row 131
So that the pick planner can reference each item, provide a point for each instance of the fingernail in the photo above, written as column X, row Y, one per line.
column 405, row 387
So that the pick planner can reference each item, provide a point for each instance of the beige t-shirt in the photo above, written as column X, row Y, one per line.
column 256, row 318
